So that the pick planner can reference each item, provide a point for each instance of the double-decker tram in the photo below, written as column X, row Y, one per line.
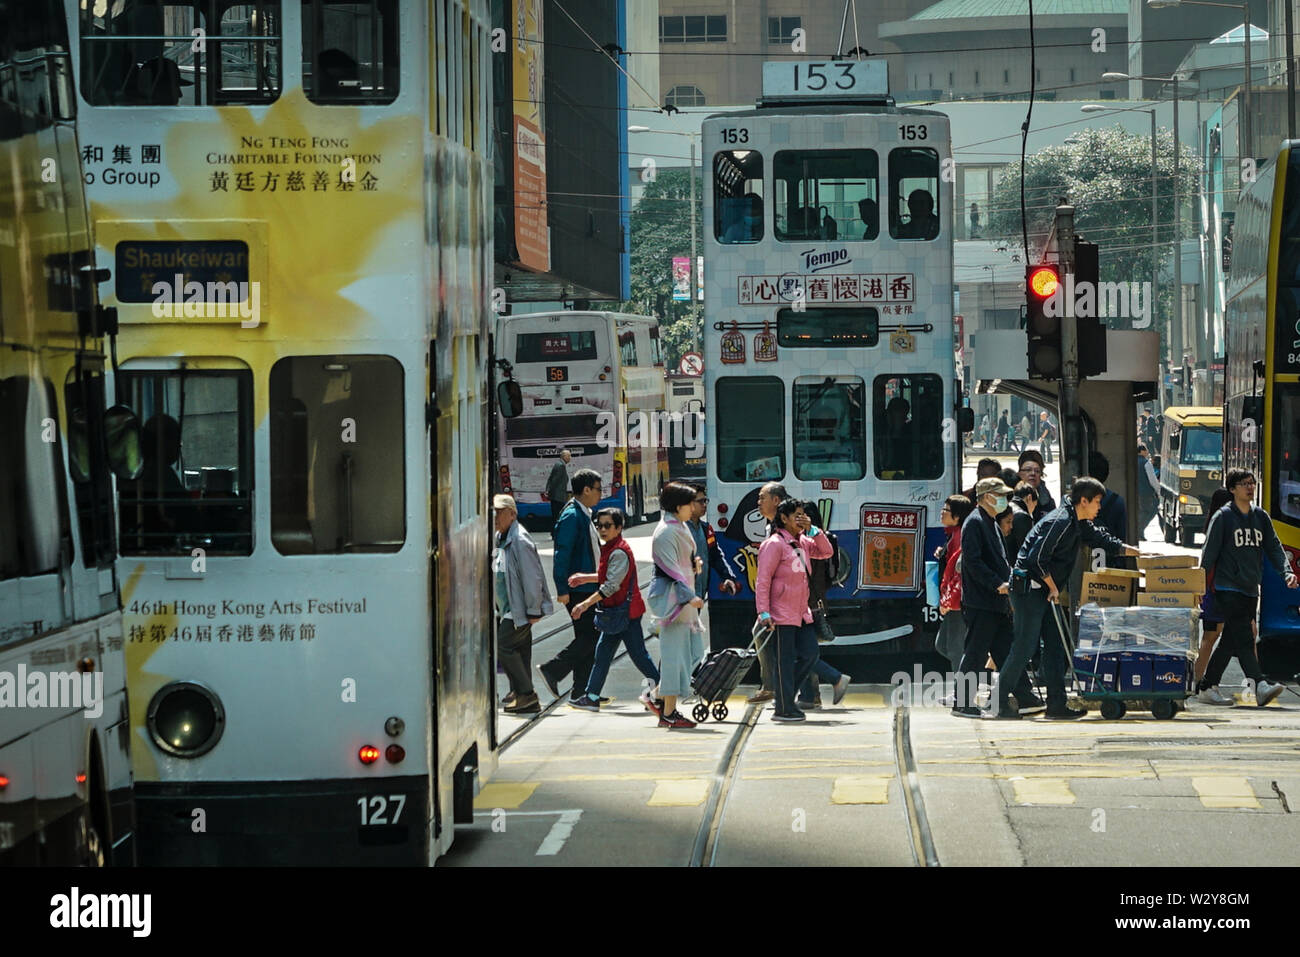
column 592, row 383
column 1261, row 416
column 65, row 773
column 296, row 196
column 828, row 339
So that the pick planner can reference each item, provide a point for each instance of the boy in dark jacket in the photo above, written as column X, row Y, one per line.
column 1046, row 561
column 1239, row 536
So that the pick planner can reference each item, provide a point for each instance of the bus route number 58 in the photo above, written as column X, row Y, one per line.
column 374, row 809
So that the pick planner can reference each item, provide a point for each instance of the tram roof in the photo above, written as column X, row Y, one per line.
column 777, row 107
column 1195, row 415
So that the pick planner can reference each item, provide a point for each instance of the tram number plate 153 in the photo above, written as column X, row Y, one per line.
column 377, row 809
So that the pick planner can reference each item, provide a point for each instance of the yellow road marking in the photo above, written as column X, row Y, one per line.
column 689, row 792
column 860, row 789
column 818, row 763
column 862, row 699
column 1043, row 791
column 1225, row 791
column 505, row 794
column 642, row 756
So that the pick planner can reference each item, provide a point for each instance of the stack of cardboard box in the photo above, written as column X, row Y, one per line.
column 1161, row 581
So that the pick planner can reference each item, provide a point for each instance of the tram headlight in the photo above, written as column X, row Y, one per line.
column 185, row 719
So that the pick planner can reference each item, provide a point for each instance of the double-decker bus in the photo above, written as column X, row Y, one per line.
column 65, row 774
column 298, row 202
column 684, row 398
column 592, row 383
column 1261, row 415
column 828, row 339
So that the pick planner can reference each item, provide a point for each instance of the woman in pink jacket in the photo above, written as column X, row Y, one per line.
column 781, row 599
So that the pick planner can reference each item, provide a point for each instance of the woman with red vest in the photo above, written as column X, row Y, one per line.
column 620, row 600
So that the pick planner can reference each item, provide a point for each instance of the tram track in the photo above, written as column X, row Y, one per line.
column 918, row 824
column 705, row 849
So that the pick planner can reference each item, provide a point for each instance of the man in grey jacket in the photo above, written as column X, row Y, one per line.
column 557, row 486
column 522, row 600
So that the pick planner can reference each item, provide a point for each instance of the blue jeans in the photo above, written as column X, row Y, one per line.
column 633, row 638
column 1033, row 623
column 796, row 655
column 821, row 673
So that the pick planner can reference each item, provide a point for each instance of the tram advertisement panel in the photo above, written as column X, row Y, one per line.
column 890, row 557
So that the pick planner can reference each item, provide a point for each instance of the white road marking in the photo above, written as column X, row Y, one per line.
column 560, row 832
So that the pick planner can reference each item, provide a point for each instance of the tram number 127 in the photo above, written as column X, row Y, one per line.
column 374, row 810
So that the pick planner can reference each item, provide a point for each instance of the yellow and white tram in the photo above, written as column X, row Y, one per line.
column 296, row 197
column 65, row 774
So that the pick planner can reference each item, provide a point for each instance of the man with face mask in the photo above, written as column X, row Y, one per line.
column 1045, row 562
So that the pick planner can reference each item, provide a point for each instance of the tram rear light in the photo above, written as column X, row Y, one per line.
column 722, row 508
column 722, row 523
column 602, row 377
column 4, row 782
column 368, row 754
column 395, row 753
column 608, row 369
column 81, row 778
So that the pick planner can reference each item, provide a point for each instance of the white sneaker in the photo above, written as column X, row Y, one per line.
column 1266, row 691
column 1212, row 696
column 948, row 701
column 839, row 689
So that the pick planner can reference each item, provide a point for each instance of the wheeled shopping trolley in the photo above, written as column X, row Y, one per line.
column 719, row 674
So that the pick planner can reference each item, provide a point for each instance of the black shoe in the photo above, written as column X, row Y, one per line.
column 967, row 713
column 1064, row 713
column 1031, row 705
column 552, row 684
column 1008, row 713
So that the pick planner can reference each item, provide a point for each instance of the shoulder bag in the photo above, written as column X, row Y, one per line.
column 821, row 625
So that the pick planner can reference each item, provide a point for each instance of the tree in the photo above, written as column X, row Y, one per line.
column 661, row 229
column 1106, row 176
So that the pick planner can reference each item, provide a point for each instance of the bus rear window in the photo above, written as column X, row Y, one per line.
column 750, row 427
column 555, row 346
column 825, row 328
column 908, row 426
column 196, row 490
column 526, row 428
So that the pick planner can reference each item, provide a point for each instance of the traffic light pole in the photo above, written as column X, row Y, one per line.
column 1072, row 444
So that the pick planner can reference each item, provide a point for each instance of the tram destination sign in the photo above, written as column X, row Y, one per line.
column 799, row 79
column 141, row 263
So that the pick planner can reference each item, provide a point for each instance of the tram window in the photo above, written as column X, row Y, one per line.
column 1286, row 416
column 196, row 490
column 908, row 426
column 829, row 424
column 338, row 481
column 913, row 193
column 34, row 525
column 825, row 327
column 88, row 463
column 751, row 428
column 349, row 51
column 738, row 196
column 143, row 53
column 826, row 194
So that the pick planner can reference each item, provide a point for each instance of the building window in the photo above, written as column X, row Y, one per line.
column 197, row 444
column 693, row 29
column 738, row 196
column 337, row 478
column 685, row 95
column 142, row 54
column 781, row 29
column 349, row 51
column 1006, row 76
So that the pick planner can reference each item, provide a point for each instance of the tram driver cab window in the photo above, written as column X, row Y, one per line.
column 913, row 193
column 349, row 51
column 738, row 196
column 147, row 53
column 196, row 490
column 908, row 427
column 825, row 194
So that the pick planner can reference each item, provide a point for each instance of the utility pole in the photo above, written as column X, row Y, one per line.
column 694, row 277
column 1072, row 448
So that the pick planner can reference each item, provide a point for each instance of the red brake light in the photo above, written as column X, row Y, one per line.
column 1044, row 281
column 394, row 753
column 81, row 777
column 722, row 508
column 722, row 523
column 4, row 782
column 368, row 754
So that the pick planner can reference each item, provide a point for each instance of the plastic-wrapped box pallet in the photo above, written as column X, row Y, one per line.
column 1152, row 631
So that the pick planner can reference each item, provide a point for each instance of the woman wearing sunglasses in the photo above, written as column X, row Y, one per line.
column 618, row 616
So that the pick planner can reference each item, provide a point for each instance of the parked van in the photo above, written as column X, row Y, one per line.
column 1191, row 469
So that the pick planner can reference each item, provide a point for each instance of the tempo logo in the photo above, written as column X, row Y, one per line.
column 57, row 689
column 191, row 300
column 73, row 910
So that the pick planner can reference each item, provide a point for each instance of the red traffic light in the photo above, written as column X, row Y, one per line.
column 1044, row 281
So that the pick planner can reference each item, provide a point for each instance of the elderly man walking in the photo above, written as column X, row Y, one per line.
column 557, row 486
column 519, row 589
